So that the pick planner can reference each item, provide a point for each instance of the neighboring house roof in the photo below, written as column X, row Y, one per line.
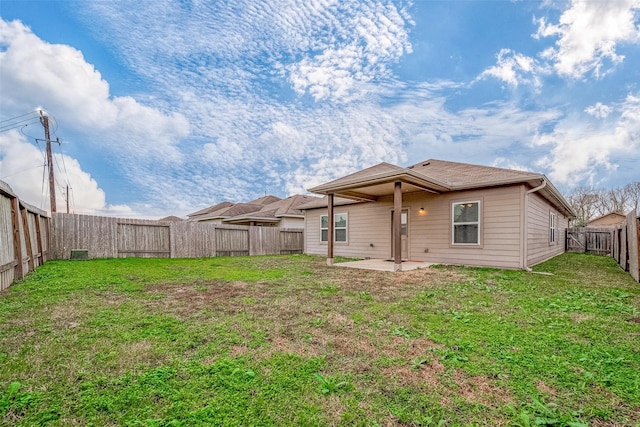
column 274, row 211
column 210, row 209
column 265, row 200
column 227, row 209
column 437, row 176
column 171, row 218
column 612, row 218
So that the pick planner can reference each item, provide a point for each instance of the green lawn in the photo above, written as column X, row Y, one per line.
column 279, row 341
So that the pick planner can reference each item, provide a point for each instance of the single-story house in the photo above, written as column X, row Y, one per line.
column 282, row 213
column 267, row 211
column 608, row 220
column 439, row 211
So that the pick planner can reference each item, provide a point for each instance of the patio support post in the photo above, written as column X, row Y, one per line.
column 330, row 229
column 397, row 215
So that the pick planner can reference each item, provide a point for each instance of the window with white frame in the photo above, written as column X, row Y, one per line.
column 339, row 228
column 553, row 228
column 465, row 224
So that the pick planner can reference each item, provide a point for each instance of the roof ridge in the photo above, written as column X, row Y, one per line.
column 426, row 162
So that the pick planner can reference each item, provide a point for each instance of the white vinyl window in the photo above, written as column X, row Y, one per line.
column 465, row 224
column 553, row 228
column 339, row 230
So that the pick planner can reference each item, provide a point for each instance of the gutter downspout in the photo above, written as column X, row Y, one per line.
column 525, row 232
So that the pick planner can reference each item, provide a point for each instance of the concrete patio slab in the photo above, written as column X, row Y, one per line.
column 383, row 264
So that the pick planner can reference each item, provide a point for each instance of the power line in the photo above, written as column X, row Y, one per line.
column 21, row 115
column 21, row 123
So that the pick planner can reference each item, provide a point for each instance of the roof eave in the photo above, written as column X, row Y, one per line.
column 346, row 188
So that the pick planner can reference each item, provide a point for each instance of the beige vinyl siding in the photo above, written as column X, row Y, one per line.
column 499, row 229
column 288, row 222
column 430, row 233
column 538, row 247
column 366, row 223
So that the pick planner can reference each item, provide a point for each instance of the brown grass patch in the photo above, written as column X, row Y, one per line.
column 479, row 389
column 546, row 389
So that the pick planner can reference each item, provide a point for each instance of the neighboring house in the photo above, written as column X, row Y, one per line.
column 609, row 220
column 282, row 213
column 452, row 213
column 195, row 216
column 216, row 214
column 171, row 218
column 267, row 211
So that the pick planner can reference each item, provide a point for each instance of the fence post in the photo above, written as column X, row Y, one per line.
column 172, row 240
column 17, row 247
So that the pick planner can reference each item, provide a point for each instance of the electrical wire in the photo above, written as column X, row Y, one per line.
column 21, row 123
column 21, row 171
column 21, row 115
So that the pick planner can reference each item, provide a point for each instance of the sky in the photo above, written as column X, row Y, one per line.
column 166, row 107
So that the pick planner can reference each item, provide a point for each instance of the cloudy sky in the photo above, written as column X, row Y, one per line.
column 165, row 107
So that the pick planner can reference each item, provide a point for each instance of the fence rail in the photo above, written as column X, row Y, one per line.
column 24, row 237
column 105, row 237
column 590, row 240
column 626, row 245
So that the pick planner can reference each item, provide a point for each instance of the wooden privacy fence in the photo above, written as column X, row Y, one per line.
column 626, row 245
column 589, row 240
column 105, row 237
column 24, row 237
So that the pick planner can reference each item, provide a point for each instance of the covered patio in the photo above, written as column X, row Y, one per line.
column 383, row 265
column 369, row 185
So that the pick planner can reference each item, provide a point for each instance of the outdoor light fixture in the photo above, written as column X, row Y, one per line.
column 421, row 211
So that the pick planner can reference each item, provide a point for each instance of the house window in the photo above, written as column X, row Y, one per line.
column 465, row 223
column 553, row 229
column 339, row 229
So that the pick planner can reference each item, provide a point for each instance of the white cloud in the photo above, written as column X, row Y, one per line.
column 141, row 137
column 23, row 167
column 588, row 33
column 368, row 40
column 503, row 162
column 515, row 69
column 580, row 151
column 75, row 93
column 598, row 110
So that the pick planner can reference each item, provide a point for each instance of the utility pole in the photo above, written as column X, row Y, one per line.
column 67, row 198
column 52, row 189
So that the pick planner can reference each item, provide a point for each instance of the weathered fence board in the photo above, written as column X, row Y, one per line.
column 105, row 237
column 23, row 243
column 232, row 242
column 144, row 240
column 626, row 250
column 633, row 238
column 291, row 242
column 591, row 240
column 192, row 240
column 28, row 238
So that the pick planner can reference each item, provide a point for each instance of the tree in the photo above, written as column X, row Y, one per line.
column 589, row 203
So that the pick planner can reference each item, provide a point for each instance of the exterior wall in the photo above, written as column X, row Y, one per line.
column 539, row 248
column 430, row 232
column 609, row 220
column 288, row 222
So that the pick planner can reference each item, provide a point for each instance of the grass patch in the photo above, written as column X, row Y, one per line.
column 288, row 341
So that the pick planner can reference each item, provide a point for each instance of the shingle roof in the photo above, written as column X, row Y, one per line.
column 437, row 176
column 264, row 200
column 210, row 209
column 228, row 209
column 458, row 175
column 273, row 211
column 171, row 218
